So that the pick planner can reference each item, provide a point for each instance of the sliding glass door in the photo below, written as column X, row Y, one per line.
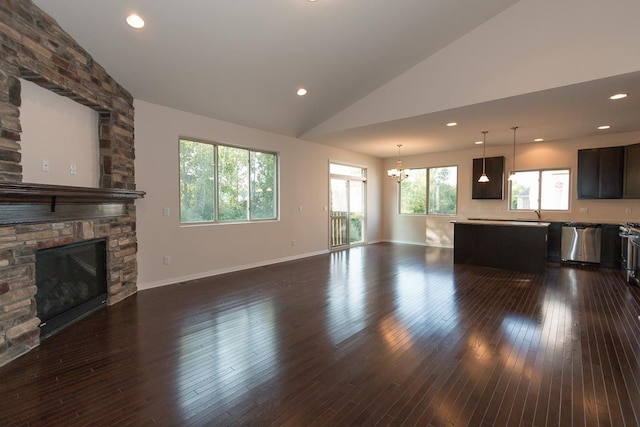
column 347, row 198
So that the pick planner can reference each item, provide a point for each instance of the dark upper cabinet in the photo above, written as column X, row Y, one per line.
column 494, row 189
column 632, row 171
column 588, row 174
column 600, row 173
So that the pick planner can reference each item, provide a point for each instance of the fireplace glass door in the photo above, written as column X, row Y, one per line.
column 71, row 282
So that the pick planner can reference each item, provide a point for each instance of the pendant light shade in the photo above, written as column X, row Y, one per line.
column 512, row 174
column 484, row 177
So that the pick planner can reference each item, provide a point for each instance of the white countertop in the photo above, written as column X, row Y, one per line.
column 579, row 220
column 500, row 222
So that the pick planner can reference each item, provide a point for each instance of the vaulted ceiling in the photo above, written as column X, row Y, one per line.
column 377, row 72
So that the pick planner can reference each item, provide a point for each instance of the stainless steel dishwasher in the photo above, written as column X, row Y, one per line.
column 581, row 242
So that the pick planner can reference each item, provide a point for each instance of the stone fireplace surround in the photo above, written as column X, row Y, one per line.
column 34, row 216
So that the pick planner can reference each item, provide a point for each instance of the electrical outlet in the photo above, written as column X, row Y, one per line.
column 166, row 260
column 293, row 243
column 628, row 210
column 166, row 211
column 584, row 210
column 45, row 165
column 73, row 169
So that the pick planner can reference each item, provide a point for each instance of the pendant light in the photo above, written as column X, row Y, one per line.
column 484, row 177
column 398, row 173
column 512, row 174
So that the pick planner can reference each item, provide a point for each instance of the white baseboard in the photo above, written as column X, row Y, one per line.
column 418, row 244
column 201, row 275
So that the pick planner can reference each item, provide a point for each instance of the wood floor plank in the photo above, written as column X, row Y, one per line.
column 384, row 334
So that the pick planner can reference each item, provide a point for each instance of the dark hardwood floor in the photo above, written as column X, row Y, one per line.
column 379, row 335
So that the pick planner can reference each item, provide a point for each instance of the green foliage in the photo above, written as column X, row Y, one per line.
column 246, row 183
column 263, row 184
column 233, row 184
column 355, row 228
column 443, row 190
column 442, row 194
column 197, row 181
column 413, row 192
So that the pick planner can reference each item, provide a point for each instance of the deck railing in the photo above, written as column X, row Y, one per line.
column 339, row 223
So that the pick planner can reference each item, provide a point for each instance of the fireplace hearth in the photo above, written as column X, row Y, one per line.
column 71, row 282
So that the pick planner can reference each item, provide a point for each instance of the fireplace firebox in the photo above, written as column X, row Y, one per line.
column 71, row 282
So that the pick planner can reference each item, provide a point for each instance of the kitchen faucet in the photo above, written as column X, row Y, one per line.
column 538, row 213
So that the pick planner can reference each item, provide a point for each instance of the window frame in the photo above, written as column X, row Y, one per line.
column 216, row 190
column 455, row 212
column 427, row 172
column 426, row 192
column 539, row 201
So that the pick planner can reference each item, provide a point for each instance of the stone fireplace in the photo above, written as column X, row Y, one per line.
column 38, row 216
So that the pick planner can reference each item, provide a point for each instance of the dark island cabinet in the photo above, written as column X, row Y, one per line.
column 600, row 173
column 554, row 242
column 611, row 249
column 494, row 189
column 515, row 246
column 632, row 171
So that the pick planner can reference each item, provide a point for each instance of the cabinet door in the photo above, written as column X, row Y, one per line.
column 554, row 242
column 600, row 173
column 494, row 189
column 611, row 251
column 611, row 172
column 632, row 171
column 588, row 173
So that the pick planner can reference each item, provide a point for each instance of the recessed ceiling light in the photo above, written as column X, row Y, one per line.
column 603, row 127
column 135, row 21
column 478, row 142
column 538, row 140
column 301, row 92
column 618, row 96
column 451, row 124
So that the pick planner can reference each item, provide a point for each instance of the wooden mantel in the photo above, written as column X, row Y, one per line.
column 22, row 203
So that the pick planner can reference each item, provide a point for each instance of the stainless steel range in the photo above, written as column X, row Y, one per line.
column 630, row 234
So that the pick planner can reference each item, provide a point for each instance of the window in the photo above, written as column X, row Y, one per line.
column 241, row 188
column 540, row 189
column 443, row 190
column 413, row 192
column 438, row 195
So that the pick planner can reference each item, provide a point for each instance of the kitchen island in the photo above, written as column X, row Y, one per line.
column 509, row 245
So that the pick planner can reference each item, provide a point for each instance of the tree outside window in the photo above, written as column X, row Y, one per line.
column 413, row 192
column 437, row 195
column 243, row 186
column 443, row 190
column 197, row 181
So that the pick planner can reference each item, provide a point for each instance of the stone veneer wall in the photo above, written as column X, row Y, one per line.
column 35, row 48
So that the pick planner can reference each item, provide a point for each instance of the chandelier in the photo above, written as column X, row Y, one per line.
column 398, row 172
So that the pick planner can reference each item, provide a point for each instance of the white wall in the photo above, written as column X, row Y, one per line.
column 199, row 251
column 434, row 230
column 62, row 132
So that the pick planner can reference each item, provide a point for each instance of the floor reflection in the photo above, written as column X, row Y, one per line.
column 346, row 294
column 222, row 356
column 431, row 301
